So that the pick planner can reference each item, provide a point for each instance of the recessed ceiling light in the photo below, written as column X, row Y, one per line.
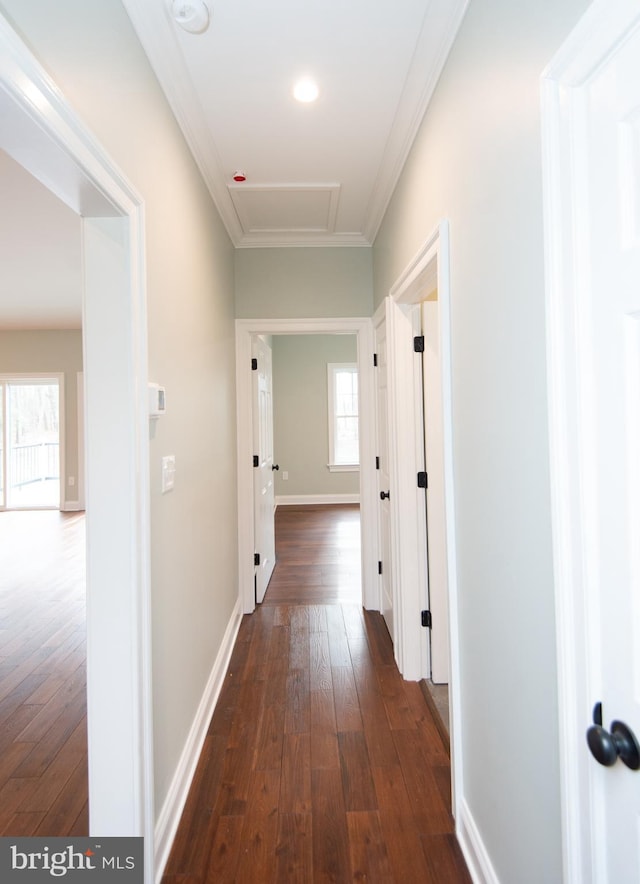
column 192, row 15
column 306, row 90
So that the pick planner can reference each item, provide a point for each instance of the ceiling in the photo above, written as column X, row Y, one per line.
column 316, row 174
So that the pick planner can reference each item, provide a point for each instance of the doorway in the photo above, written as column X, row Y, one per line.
column 31, row 441
column 246, row 331
column 42, row 133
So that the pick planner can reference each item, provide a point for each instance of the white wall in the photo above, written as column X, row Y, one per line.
column 92, row 53
column 303, row 283
column 477, row 162
column 300, row 413
column 55, row 351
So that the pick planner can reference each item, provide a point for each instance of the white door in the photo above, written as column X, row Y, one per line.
column 594, row 347
column 263, row 483
column 383, row 471
column 436, row 519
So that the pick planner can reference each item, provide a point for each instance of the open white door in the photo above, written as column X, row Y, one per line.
column 263, row 485
column 383, row 472
column 436, row 515
column 592, row 100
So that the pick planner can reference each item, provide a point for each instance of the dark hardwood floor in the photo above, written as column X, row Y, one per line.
column 43, row 741
column 318, row 556
column 320, row 764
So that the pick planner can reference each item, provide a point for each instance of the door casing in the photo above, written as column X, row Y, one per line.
column 426, row 272
column 362, row 328
column 42, row 133
column 603, row 27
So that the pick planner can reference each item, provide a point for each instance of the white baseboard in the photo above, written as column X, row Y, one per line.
column 473, row 848
column 71, row 506
column 315, row 499
column 169, row 818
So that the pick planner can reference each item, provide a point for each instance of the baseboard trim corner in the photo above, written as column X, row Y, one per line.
column 72, row 506
column 169, row 817
column 473, row 847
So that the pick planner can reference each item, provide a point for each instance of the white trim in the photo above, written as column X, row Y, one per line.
column 605, row 24
column 343, row 467
column 474, row 849
column 43, row 133
column 315, row 499
column 362, row 328
column 171, row 812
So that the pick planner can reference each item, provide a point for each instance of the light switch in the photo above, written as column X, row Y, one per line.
column 168, row 472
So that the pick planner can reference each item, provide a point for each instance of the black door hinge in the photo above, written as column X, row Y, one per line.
column 423, row 480
column 379, row 567
column 254, row 364
column 256, row 460
column 426, row 619
column 418, row 344
column 377, row 462
column 256, row 558
column 375, row 360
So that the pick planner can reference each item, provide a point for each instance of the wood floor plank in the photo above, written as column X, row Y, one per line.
column 258, row 861
column 357, row 783
column 367, row 848
column 294, row 851
column 331, row 859
column 225, row 851
column 295, row 785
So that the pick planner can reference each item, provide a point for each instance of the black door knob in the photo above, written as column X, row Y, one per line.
column 275, row 466
column 384, row 494
column 606, row 747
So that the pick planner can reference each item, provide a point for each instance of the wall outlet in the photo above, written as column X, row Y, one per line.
column 71, row 481
column 285, row 476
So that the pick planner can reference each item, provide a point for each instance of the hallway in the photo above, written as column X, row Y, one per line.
column 320, row 763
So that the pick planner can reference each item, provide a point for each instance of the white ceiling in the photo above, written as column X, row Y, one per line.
column 319, row 174
column 40, row 257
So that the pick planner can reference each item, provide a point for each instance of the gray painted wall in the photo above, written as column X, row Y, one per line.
column 303, row 283
column 58, row 351
column 300, row 415
column 477, row 162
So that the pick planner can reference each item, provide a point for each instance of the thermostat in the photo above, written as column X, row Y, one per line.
column 157, row 401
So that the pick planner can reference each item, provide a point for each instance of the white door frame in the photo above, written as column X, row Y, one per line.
column 42, row 132
column 567, row 282
column 362, row 328
column 427, row 271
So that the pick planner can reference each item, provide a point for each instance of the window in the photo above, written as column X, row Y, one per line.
column 343, row 415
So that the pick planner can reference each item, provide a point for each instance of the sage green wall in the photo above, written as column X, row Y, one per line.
column 477, row 162
column 300, row 414
column 303, row 283
column 58, row 351
column 93, row 54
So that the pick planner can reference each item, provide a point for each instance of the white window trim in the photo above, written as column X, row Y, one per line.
column 334, row 467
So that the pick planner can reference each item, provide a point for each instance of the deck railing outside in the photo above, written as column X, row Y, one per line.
column 32, row 463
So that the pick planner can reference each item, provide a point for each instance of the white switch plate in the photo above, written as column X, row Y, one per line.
column 285, row 476
column 168, row 472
